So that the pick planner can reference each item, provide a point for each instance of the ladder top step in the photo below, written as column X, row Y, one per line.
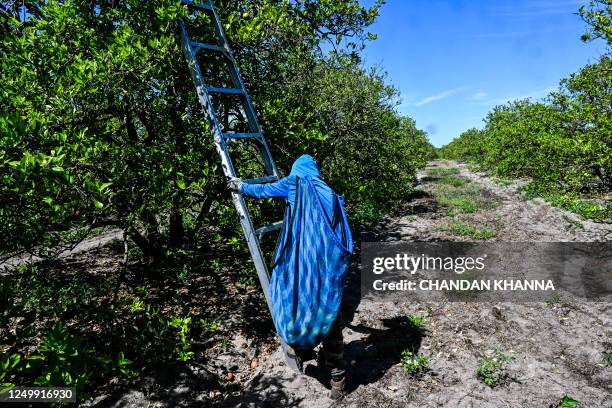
column 260, row 180
column 240, row 135
column 270, row 227
column 201, row 5
column 235, row 91
column 197, row 45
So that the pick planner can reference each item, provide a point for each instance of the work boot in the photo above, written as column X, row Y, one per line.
column 338, row 389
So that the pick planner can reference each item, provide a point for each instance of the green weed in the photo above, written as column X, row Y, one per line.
column 123, row 366
column 7, row 364
column 607, row 358
column 553, row 300
column 416, row 323
column 182, row 349
column 414, row 363
column 491, row 368
column 136, row 306
column 209, row 326
column 225, row 344
column 62, row 360
column 567, row 402
column 466, row 230
column 474, row 167
column 215, row 265
column 247, row 276
column 183, row 274
column 452, row 181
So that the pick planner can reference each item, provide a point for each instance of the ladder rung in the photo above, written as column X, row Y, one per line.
column 225, row 90
column 205, row 6
column 198, row 45
column 270, row 227
column 259, row 180
column 240, row 135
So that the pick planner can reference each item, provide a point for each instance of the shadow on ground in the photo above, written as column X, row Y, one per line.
column 177, row 384
column 274, row 395
column 380, row 350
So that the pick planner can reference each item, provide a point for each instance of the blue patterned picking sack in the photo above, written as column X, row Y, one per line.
column 309, row 267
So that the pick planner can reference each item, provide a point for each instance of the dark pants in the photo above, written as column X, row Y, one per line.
column 332, row 354
column 333, row 349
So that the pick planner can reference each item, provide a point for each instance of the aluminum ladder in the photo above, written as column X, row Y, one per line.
column 221, row 139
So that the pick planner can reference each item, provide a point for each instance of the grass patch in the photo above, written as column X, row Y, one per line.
column 466, row 230
column 491, row 368
column 414, row 363
column 442, row 171
column 502, row 181
column 452, row 181
column 465, row 199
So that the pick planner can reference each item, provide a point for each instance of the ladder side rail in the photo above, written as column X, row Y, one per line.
column 269, row 163
column 228, row 168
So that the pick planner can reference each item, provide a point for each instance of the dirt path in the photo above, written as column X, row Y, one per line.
column 556, row 348
column 86, row 245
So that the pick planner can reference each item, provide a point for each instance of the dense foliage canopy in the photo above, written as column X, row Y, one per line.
column 100, row 124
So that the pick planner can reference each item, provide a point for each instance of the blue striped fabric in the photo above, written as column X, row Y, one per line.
column 309, row 268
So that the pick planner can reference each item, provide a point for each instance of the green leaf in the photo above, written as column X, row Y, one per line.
column 104, row 186
column 6, row 386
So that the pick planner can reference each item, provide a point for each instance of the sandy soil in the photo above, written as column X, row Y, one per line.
column 556, row 349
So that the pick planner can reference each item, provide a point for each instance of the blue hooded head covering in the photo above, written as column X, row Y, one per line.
column 305, row 165
column 311, row 258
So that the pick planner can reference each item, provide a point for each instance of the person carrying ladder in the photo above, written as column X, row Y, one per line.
column 309, row 265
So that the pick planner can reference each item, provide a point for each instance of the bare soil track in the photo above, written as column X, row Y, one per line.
column 557, row 348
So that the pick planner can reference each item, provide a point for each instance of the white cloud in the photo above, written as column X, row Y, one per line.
column 438, row 97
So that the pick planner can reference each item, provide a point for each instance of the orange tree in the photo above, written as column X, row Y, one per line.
column 99, row 123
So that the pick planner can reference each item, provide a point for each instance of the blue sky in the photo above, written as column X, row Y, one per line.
column 453, row 60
